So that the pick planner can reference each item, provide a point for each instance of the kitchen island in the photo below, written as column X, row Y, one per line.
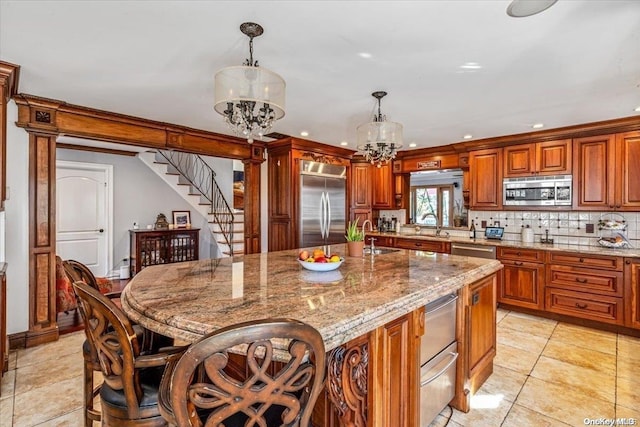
column 369, row 313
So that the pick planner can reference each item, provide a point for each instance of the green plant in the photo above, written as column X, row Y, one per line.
column 354, row 234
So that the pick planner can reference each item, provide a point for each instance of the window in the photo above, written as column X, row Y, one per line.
column 431, row 201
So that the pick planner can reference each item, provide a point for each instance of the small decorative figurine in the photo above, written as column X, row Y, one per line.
column 161, row 222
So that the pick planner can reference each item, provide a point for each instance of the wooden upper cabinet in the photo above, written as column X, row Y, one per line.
column 627, row 168
column 361, row 185
column 486, row 178
column 383, row 187
column 542, row 158
column 607, row 172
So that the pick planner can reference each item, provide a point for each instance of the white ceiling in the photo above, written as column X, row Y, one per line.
column 577, row 62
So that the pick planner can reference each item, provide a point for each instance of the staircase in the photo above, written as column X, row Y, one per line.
column 195, row 181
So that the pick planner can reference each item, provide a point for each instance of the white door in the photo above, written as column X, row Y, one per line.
column 83, row 214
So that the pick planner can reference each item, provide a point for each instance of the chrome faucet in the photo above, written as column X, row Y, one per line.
column 364, row 236
column 438, row 226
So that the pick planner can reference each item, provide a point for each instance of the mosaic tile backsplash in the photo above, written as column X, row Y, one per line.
column 564, row 227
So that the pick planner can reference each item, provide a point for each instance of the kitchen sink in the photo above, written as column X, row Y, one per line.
column 380, row 251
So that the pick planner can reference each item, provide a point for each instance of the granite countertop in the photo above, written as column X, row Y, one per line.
column 190, row 299
column 586, row 249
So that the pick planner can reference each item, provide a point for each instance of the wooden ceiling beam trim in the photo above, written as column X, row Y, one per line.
column 54, row 116
column 95, row 149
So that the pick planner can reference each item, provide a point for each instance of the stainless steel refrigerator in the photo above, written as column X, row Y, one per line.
column 322, row 203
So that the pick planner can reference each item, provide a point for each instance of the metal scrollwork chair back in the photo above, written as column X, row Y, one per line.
column 198, row 390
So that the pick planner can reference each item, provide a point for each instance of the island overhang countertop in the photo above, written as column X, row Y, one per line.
column 190, row 299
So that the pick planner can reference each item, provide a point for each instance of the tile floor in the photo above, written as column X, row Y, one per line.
column 545, row 373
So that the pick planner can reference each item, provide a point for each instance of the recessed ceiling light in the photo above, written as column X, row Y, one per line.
column 468, row 136
column 365, row 55
column 344, row 143
column 304, row 133
column 413, row 144
column 471, row 66
column 637, row 109
column 538, row 125
column 524, row 8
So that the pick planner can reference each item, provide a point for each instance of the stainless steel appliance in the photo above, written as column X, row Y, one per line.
column 438, row 355
column 538, row 191
column 475, row 250
column 322, row 203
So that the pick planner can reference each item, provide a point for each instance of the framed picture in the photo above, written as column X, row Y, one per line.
column 181, row 219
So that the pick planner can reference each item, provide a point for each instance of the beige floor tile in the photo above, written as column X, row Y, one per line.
column 629, row 347
column 514, row 358
column 628, row 367
column 604, row 342
column 504, row 382
column 501, row 314
column 49, row 372
column 6, row 412
column 484, row 412
column 576, row 378
column 558, row 402
column 534, row 318
column 580, row 356
column 628, row 393
column 8, row 384
column 72, row 419
column 530, row 325
column 520, row 339
column 519, row 416
column 622, row 412
column 67, row 344
column 444, row 419
column 52, row 401
column 13, row 359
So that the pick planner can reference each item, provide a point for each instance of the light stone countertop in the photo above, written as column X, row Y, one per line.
column 584, row 249
column 190, row 299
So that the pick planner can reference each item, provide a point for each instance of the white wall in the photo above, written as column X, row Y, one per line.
column 17, row 223
column 139, row 195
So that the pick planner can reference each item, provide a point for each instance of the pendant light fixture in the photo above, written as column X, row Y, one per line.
column 249, row 97
column 379, row 140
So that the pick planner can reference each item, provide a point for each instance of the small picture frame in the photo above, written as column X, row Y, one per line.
column 181, row 219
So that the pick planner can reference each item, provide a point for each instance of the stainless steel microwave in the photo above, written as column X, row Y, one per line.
column 537, row 191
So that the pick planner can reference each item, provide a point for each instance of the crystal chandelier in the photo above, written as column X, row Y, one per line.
column 251, row 98
column 379, row 140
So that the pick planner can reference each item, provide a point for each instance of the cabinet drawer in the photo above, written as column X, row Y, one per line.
column 588, row 306
column 582, row 279
column 423, row 245
column 517, row 254
column 581, row 260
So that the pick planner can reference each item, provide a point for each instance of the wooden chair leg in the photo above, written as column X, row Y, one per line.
column 90, row 392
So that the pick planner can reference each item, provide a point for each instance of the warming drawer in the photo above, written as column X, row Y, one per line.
column 437, row 383
column 440, row 327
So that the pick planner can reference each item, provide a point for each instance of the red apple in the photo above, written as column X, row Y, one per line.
column 321, row 259
column 304, row 255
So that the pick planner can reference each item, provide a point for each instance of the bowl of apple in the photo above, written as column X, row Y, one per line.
column 317, row 260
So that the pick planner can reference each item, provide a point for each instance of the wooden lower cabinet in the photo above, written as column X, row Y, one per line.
column 476, row 339
column 423, row 245
column 632, row 292
column 522, row 278
column 380, row 241
column 579, row 304
column 585, row 286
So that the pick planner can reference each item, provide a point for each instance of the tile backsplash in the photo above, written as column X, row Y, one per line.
column 564, row 227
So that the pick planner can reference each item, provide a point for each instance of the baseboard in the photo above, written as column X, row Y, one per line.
column 32, row 338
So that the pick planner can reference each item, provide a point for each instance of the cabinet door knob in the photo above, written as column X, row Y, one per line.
column 519, row 253
column 581, row 259
column 582, row 306
column 627, row 262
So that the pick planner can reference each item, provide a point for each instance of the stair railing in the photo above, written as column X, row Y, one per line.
column 201, row 177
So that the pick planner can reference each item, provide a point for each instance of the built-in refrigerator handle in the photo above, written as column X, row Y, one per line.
column 322, row 215
column 328, row 226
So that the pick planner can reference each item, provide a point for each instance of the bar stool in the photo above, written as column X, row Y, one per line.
column 202, row 388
